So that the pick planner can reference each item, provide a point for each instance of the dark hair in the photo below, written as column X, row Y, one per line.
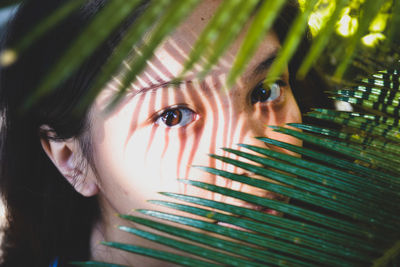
column 46, row 217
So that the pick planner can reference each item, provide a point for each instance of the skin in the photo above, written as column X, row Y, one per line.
column 136, row 154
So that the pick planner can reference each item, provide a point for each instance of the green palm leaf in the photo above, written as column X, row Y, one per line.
column 8, row 3
column 86, row 44
column 170, row 19
column 291, row 42
column 369, row 11
column 224, row 26
column 322, row 39
column 219, row 33
column 260, row 26
column 356, row 222
column 345, row 199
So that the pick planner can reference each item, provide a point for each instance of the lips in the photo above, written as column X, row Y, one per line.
column 257, row 192
column 252, row 207
column 260, row 192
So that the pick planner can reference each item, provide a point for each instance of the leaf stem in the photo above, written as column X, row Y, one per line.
column 390, row 254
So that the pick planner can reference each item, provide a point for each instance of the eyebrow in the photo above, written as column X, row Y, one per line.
column 265, row 64
column 261, row 67
column 158, row 84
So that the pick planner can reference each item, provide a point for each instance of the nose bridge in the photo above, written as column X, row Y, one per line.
column 239, row 127
column 240, row 123
column 243, row 127
column 232, row 120
column 244, row 132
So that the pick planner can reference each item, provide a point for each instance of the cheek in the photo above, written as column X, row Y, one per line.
column 286, row 112
column 135, row 163
column 289, row 113
column 155, row 153
column 278, row 115
column 150, row 161
column 131, row 173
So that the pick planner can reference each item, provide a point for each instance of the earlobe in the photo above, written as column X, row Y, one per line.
column 67, row 157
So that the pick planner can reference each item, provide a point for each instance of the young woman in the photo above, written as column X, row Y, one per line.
column 64, row 177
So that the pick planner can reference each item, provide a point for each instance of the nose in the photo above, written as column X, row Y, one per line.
column 241, row 126
column 248, row 123
column 244, row 127
column 250, row 126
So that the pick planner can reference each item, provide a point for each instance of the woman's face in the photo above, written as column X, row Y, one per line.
column 159, row 130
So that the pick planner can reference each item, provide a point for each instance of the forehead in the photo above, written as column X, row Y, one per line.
column 170, row 56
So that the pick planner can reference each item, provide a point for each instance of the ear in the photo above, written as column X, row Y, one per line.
column 67, row 156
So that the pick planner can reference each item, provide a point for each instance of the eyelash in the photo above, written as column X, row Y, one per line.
column 180, row 116
column 175, row 117
column 261, row 94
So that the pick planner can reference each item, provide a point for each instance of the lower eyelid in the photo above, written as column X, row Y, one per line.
column 278, row 99
column 156, row 119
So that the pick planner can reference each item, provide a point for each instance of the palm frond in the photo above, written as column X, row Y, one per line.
column 133, row 37
column 367, row 14
column 261, row 24
column 216, row 38
column 351, row 218
column 291, row 42
column 347, row 213
column 321, row 40
column 107, row 20
column 219, row 33
column 8, row 3
column 169, row 20
column 45, row 25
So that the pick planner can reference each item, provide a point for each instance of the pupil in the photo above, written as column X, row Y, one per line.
column 172, row 117
column 260, row 94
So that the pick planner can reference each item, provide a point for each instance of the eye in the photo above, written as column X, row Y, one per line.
column 176, row 117
column 263, row 94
